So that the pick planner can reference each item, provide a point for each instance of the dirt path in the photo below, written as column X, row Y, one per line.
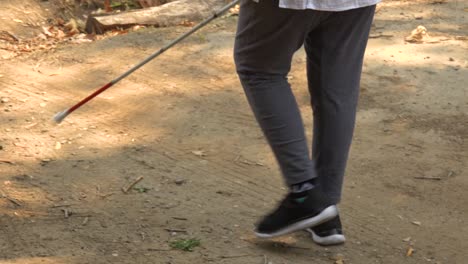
column 183, row 124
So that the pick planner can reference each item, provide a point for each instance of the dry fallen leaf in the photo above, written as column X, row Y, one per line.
column 235, row 10
column 137, row 27
column 416, row 223
column 18, row 20
column 186, row 23
column 60, row 35
column 48, row 39
column 72, row 27
column 410, row 251
column 418, row 35
column 80, row 38
column 47, row 32
column 339, row 259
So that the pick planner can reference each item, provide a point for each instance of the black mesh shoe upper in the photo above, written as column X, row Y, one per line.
column 294, row 208
column 331, row 227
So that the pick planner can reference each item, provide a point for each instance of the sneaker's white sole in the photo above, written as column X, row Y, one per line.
column 327, row 214
column 328, row 240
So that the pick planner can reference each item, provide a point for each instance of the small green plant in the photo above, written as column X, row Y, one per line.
column 185, row 244
column 141, row 189
column 124, row 4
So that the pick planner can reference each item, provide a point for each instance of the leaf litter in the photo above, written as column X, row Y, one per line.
column 51, row 36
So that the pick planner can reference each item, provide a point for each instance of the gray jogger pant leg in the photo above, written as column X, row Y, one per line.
column 267, row 38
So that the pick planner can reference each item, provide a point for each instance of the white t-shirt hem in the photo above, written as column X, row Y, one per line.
column 315, row 6
column 326, row 5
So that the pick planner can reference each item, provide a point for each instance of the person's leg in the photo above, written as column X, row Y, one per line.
column 265, row 43
column 335, row 52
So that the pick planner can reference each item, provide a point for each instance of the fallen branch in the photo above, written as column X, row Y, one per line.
column 170, row 14
column 151, row 3
column 126, row 189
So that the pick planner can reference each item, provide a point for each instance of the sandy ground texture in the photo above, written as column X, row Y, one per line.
column 183, row 124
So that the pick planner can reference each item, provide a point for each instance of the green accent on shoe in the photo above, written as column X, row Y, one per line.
column 300, row 200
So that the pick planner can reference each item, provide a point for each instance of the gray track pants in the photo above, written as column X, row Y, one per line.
column 335, row 42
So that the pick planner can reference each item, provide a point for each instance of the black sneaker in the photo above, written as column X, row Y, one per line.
column 297, row 212
column 328, row 233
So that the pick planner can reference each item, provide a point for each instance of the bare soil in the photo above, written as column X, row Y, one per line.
column 184, row 125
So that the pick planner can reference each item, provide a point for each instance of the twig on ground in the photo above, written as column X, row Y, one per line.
column 7, row 161
column 238, row 256
column 294, row 247
column 10, row 35
column 31, row 125
column 180, row 218
column 106, row 195
column 126, row 189
column 175, row 230
column 252, row 163
column 415, row 145
column 158, row 249
column 13, row 201
column 168, row 155
column 380, row 36
column 66, row 213
column 20, row 145
column 248, row 162
column 428, row 178
column 61, row 205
